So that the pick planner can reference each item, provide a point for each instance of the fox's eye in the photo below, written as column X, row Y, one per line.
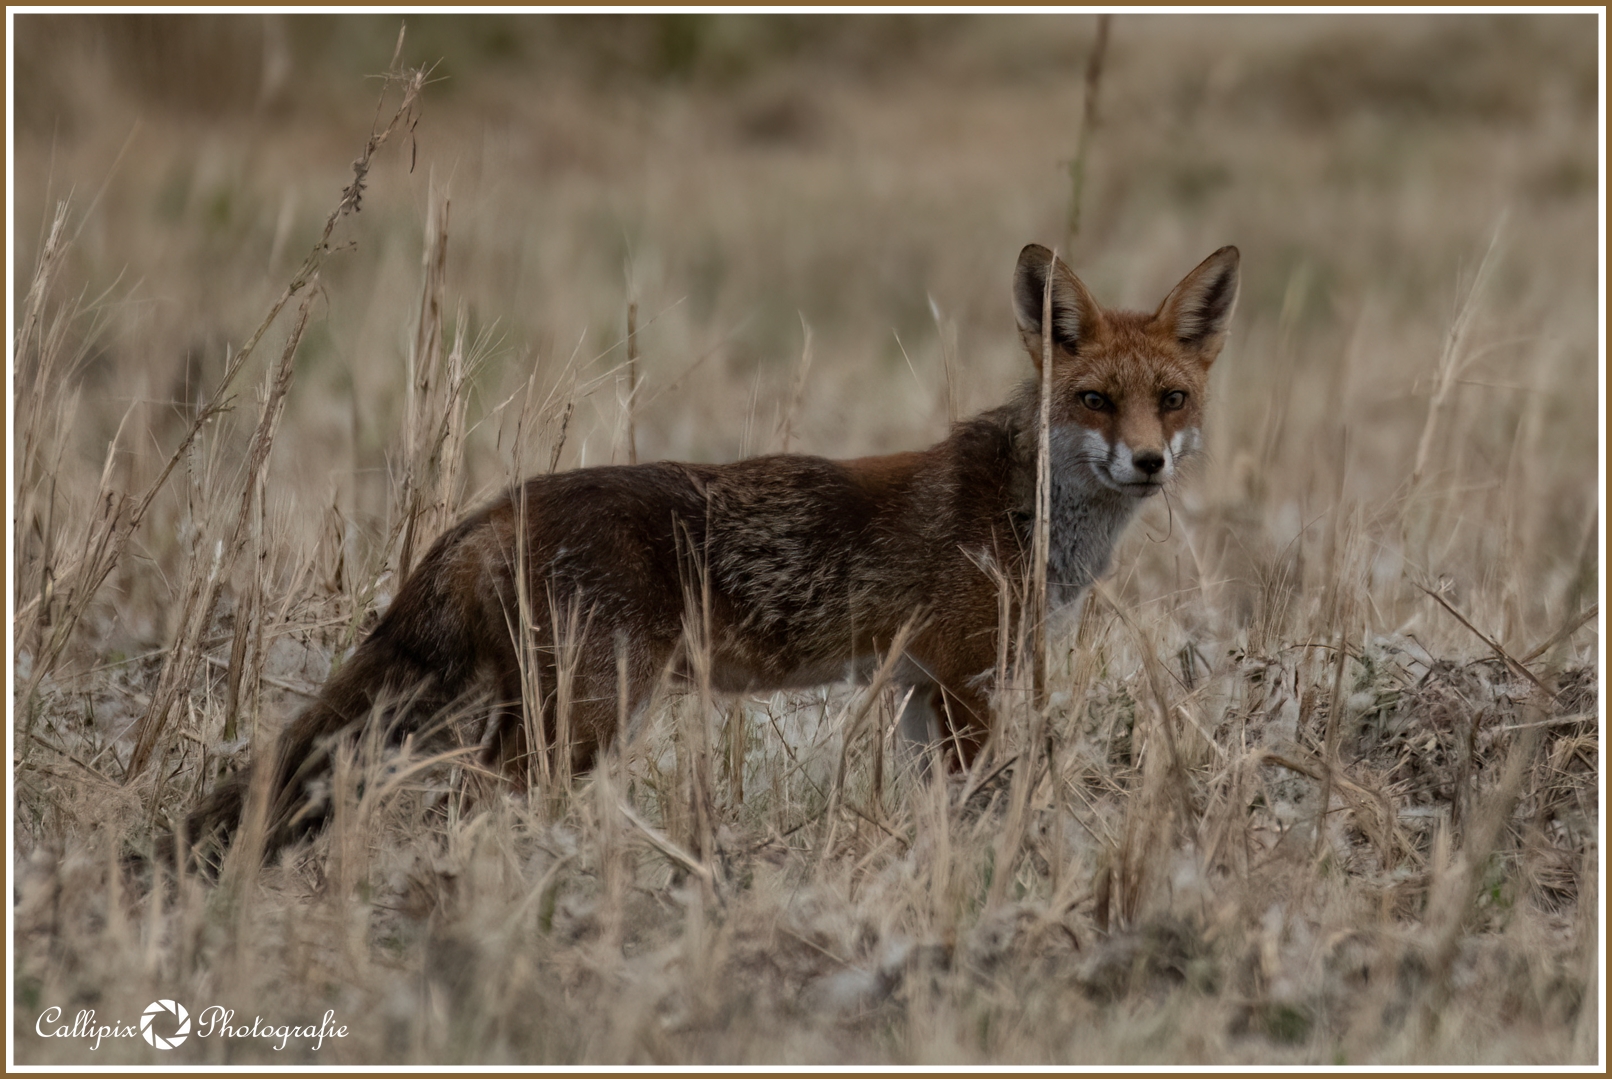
column 1175, row 399
column 1094, row 401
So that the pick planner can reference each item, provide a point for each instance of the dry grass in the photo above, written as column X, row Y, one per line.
column 1316, row 779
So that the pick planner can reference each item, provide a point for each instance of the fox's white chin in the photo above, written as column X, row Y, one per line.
column 1132, row 489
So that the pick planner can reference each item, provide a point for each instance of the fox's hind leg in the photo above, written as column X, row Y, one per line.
column 507, row 747
column 609, row 686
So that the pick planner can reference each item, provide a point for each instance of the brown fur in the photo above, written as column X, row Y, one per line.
column 802, row 570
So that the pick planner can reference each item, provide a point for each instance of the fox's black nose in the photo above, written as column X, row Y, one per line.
column 1149, row 461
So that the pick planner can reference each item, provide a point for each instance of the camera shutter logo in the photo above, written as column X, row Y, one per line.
column 165, row 1007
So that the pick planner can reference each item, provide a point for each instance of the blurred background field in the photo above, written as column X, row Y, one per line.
column 1408, row 402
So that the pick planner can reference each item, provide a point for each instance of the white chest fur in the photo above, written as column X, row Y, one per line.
column 1087, row 519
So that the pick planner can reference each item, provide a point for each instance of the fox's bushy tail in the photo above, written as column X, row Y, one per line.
column 420, row 657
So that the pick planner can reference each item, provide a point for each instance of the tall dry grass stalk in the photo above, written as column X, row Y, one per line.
column 1453, row 357
column 420, row 434
column 1092, row 85
column 1042, row 543
column 1266, row 801
column 38, row 362
column 786, row 422
column 209, row 572
column 632, row 383
column 434, row 425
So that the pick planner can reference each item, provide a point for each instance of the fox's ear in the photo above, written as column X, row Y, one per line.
column 1199, row 308
column 1075, row 315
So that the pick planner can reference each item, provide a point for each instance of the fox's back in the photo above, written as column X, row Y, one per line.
column 805, row 561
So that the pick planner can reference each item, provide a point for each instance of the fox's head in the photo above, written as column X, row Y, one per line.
column 1127, row 387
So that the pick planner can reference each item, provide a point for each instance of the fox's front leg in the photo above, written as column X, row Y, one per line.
column 506, row 751
column 958, row 655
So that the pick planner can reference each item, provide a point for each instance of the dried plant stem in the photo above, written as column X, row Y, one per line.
column 1156, row 677
column 1026, row 779
column 614, row 862
column 180, row 664
column 632, row 383
column 121, row 516
column 881, row 678
column 1088, row 123
column 570, row 629
column 179, row 668
column 249, row 522
column 697, row 730
column 1031, row 635
column 737, row 733
column 946, row 330
column 42, row 365
column 424, row 376
column 1041, row 543
column 667, row 847
column 34, row 364
column 541, row 765
column 1456, row 888
column 104, row 539
column 1569, row 627
column 531, row 675
column 1453, row 358
column 434, row 424
column 786, row 424
column 1330, row 739
column 1494, row 645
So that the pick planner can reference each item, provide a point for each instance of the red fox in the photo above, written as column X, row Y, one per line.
column 802, row 570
